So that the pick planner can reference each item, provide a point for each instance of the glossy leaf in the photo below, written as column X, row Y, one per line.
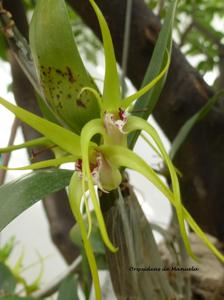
column 20, row 194
column 59, row 65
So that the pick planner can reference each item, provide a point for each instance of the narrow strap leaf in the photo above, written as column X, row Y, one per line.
column 188, row 126
column 44, row 164
column 111, row 92
column 75, row 195
column 128, row 101
column 62, row 137
column 32, row 143
column 89, row 130
column 146, row 103
column 126, row 158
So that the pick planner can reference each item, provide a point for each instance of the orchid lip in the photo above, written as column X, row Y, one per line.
column 118, row 121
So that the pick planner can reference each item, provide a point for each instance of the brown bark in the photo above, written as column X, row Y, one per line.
column 56, row 205
column 185, row 92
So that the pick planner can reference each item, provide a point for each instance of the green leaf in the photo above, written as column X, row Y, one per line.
column 68, row 289
column 145, row 105
column 20, row 194
column 188, row 126
column 7, row 280
column 59, row 65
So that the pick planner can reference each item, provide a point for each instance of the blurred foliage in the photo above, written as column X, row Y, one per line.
column 199, row 30
column 11, row 276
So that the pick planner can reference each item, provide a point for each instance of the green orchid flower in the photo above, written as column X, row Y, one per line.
column 96, row 164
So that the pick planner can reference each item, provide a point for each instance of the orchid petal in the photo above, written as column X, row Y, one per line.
column 135, row 123
column 75, row 196
column 62, row 137
column 89, row 130
column 128, row 101
column 44, row 164
column 126, row 158
column 32, row 143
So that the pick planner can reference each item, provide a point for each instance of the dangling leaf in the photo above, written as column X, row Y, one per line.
column 59, row 65
column 20, row 194
column 111, row 92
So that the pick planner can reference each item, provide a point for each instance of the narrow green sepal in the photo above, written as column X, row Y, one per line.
column 111, row 91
